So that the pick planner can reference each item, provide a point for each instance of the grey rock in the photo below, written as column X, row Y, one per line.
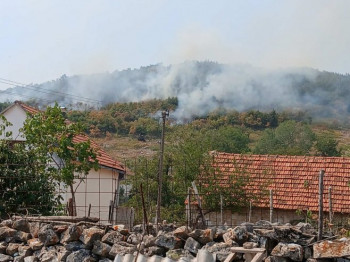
column 21, row 225
column 113, row 237
column 35, row 244
column 48, row 255
column 18, row 259
column 267, row 243
column 203, row 236
column 48, row 236
column 176, row 254
column 75, row 246
column 276, row 259
column 3, row 246
column 22, row 236
column 122, row 248
column 90, row 235
column 12, row 248
column 31, row 259
column 248, row 226
column 25, row 251
column 155, row 251
column 166, row 241
column 238, row 234
column 307, row 253
column 6, row 232
column 250, row 245
column 105, row 260
column 306, row 228
column 149, row 240
column 263, row 224
column 72, row 233
column 221, row 250
column 82, row 255
column 134, row 238
column 292, row 251
column 34, row 228
column 182, row 232
column 101, row 249
column 5, row 258
column 192, row 245
column 6, row 223
column 62, row 253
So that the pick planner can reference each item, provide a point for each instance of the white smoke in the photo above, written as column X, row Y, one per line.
column 200, row 87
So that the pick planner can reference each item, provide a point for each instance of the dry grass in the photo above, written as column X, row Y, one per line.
column 127, row 148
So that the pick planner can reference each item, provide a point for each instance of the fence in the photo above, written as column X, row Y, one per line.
column 113, row 201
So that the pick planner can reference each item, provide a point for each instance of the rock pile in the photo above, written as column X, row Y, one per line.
column 33, row 241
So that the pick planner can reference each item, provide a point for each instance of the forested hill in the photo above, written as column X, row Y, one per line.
column 202, row 87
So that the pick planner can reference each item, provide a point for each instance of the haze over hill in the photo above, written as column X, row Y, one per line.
column 202, row 87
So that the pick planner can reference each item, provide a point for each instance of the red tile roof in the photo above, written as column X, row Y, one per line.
column 27, row 108
column 293, row 179
column 102, row 157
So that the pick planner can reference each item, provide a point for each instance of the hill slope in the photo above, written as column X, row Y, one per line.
column 202, row 87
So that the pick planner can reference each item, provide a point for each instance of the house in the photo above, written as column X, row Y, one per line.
column 98, row 189
column 294, row 181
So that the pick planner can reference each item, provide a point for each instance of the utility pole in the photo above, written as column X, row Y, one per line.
column 160, row 171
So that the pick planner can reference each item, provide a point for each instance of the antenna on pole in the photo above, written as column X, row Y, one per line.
column 160, row 171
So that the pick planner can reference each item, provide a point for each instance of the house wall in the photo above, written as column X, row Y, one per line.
column 98, row 189
column 16, row 116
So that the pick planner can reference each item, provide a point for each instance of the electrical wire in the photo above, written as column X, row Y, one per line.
column 47, row 91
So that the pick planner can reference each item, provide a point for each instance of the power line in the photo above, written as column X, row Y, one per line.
column 8, row 92
column 47, row 91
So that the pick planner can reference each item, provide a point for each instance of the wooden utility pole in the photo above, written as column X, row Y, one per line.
column 320, row 206
column 160, row 171
column 271, row 205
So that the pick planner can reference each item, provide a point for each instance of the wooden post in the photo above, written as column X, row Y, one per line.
column 330, row 204
column 89, row 212
column 145, row 220
column 199, row 203
column 271, row 205
column 188, row 208
column 160, row 171
column 320, row 205
column 250, row 211
column 221, row 210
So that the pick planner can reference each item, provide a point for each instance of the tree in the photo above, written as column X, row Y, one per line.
column 327, row 145
column 229, row 139
column 289, row 138
column 25, row 184
column 52, row 139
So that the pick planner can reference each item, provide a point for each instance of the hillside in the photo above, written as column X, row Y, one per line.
column 200, row 87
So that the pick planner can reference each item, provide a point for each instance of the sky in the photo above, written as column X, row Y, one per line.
column 41, row 40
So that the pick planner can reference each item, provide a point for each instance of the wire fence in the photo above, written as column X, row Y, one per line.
column 105, row 196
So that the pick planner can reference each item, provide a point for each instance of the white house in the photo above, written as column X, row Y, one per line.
column 100, row 187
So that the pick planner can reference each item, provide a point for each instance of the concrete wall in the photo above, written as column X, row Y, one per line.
column 16, row 115
column 98, row 189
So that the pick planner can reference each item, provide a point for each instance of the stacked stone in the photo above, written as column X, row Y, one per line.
column 33, row 241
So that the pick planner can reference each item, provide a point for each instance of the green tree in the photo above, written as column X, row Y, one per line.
column 327, row 145
column 289, row 138
column 230, row 140
column 54, row 142
column 25, row 184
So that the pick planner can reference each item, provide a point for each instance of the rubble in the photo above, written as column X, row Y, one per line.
column 26, row 241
